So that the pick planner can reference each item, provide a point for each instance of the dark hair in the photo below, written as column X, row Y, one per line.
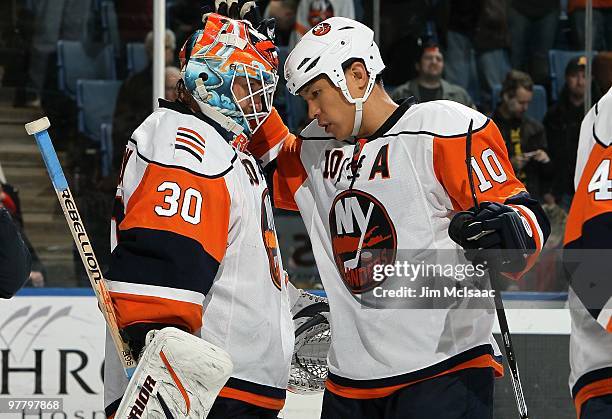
column 424, row 46
column 514, row 80
column 350, row 62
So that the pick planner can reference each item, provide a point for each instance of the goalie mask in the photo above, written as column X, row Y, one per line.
column 230, row 70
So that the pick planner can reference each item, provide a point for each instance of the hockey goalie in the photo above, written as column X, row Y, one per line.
column 196, row 275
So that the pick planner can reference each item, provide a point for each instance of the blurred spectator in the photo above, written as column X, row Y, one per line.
column 55, row 20
column 477, row 41
column 284, row 13
column 135, row 99
column 312, row 12
column 533, row 27
column 185, row 17
column 429, row 85
column 9, row 199
column 602, row 24
column 602, row 70
column 16, row 26
column 172, row 76
column 524, row 136
column 562, row 122
column 403, row 26
column 549, row 275
column 135, row 19
column 14, row 257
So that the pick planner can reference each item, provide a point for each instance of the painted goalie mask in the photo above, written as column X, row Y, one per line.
column 231, row 68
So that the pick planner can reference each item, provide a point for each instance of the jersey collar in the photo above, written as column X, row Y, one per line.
column 393, row 118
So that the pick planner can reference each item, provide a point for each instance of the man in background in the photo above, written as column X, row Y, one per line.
column 135, row 99
column 429, row 84
column 562, row 122
column 524, row 136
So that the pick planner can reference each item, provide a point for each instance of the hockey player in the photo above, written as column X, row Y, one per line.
column 377, row 181
column 588, row 257
column 194, row 241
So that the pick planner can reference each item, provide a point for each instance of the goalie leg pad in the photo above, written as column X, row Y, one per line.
column 179, row 376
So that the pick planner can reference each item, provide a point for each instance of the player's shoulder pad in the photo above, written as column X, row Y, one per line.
column 439, row 118
column 602, row 128
column 184, row 141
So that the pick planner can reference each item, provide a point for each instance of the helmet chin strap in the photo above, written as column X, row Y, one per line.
column 358, row 117
column 358, row 103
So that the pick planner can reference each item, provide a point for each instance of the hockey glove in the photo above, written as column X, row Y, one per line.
column 496, row 236
column 242, row 10
column 312, row 340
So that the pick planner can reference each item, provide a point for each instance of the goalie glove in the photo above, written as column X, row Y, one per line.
column 179, row 375
column 312, row 340
column 497, row 235
column 242, row 10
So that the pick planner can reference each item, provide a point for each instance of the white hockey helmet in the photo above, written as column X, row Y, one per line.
column 325, row 48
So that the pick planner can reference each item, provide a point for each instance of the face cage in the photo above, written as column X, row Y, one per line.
column 268, row 82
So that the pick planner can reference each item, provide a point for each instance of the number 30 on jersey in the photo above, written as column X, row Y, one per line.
column 188, row 203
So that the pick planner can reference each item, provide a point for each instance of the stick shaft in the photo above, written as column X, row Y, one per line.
column 499, row 304
column 79, row 235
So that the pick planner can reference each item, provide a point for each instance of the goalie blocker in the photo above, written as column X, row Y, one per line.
column 179, row 376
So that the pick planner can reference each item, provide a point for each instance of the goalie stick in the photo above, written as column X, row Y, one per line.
column 38, row 129
column 499, row 304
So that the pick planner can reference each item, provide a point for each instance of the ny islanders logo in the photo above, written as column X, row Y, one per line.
column 321, row 29
column 362, row 236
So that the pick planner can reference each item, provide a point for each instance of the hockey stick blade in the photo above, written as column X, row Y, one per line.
column 38, row 129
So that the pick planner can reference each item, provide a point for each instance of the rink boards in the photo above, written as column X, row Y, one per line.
column 52, row 346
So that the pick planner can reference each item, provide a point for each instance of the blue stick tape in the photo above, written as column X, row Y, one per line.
column 51, row 161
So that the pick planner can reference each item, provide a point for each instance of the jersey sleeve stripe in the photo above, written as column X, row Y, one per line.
column 185, row 296
column 162, row 258
column 198, row 138
column 533, row 222
column 133, row 308
column 190, row 144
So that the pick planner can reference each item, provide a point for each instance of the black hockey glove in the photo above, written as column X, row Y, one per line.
column 496, row 236
column 242, row 10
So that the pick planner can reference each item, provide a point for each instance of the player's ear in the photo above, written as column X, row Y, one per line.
column 359, row 74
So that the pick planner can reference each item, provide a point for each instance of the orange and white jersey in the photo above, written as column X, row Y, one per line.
column 412, row 177
column 194, row 245
column 588, row 257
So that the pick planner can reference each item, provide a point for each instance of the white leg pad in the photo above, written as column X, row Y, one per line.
column 179, row 375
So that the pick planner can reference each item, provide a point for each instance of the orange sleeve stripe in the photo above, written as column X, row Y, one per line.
column 190, row 144
column 595, row 389
column 251, row 398
column 194, row 133
column 533, row 258
column 132, row 308
column 609, row 327
column 289, row 176
column 210, row 232
column 584, row 206
column 270, row 134
column 483, row 361
column 451, row 169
